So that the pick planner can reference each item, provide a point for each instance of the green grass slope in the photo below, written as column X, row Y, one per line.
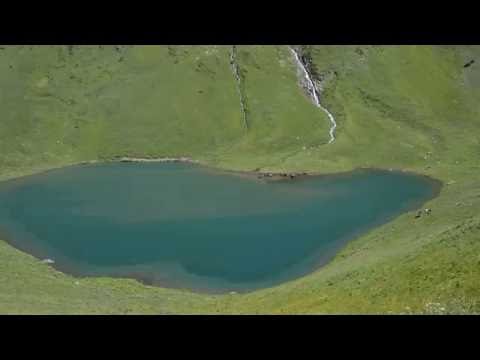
column 405, row 107
column 71, row 104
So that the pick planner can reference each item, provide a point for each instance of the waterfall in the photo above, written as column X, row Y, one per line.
column 313, row 92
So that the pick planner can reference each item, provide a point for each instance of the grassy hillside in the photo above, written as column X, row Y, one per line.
column 69, row 104
column 406, row 107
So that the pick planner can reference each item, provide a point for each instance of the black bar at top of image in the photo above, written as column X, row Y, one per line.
column 238, row 23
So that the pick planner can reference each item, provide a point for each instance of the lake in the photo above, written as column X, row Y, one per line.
column 186, row 226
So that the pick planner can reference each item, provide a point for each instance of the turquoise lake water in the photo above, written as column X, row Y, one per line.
column 186, row 226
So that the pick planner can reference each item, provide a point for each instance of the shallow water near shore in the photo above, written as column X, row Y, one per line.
column 186, row 226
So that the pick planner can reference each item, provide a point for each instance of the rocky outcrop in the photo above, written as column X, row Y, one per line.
column 239, row 83
column 419, row 213
column 280, row 176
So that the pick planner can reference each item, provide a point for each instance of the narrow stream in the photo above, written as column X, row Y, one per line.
column 313, row 92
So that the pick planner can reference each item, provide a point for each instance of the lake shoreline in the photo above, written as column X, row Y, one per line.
column 255, row 175
column 59, row 265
